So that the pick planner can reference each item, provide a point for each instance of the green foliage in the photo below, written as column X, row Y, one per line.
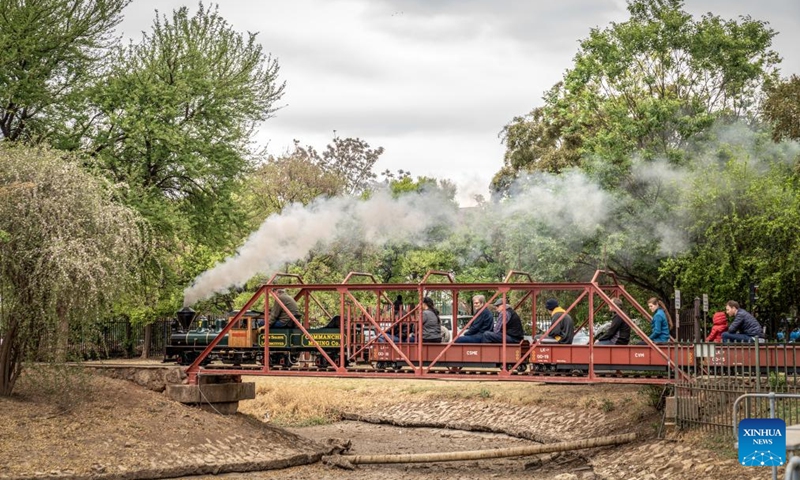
column 653, row 395
column 741, row 213
column 639, row 111
column 782, row 109
column 173, row 120
column 71, row 252
column 607, row 405
column 649, row 85
column 777, row 382
column 50, row 53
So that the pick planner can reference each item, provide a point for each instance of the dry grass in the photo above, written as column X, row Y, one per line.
column 312, row 401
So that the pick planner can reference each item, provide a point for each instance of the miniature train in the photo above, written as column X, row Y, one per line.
column 291, row 349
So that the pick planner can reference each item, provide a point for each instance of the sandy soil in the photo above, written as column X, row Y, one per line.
column 94, row 427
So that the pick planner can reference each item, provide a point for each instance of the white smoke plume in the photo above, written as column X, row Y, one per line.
column 569, row 202
column 571, row 205
column 290, row 235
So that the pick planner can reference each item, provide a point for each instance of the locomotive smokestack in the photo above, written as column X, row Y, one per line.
column 185, row 317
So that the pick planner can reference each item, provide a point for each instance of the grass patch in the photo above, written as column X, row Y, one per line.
column 722, row 445
column 313, row 401
column 57, row 384
column 607, row 405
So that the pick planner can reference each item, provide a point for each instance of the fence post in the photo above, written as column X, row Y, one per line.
column 696, row 314
column 772, row 415
column 758, row 368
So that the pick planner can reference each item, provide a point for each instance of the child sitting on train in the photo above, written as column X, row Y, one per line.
column 720, row 326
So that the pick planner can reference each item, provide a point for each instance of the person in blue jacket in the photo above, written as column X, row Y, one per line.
column 744, row 327
column 662, row 321
column 483, row 321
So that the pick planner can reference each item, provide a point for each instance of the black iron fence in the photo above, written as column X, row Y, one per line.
column 712, row 375
column 119, row 338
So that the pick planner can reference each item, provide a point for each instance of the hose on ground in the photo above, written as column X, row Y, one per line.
column 345, row 460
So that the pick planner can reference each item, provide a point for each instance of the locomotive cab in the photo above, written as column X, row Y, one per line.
column 245, row 332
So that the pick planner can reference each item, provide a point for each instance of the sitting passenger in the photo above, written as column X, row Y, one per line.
column 619, row 333
column 506, row 315
column 431, row 324
column 720, row 326
column 744, row 327
column 278, row 318
column 565, row 330
column 482, row 323
column 661, row 322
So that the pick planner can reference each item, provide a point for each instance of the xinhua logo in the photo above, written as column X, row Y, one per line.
column 762, row 442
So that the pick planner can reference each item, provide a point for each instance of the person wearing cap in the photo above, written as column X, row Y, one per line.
column 564, row 329
column 505, row 315
column 278, row 317
column 482, row 323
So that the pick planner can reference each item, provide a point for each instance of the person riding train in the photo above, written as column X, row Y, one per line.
column 483, row 321
column 278, row 318
column 506, row 315
column 564, row 332
column 744, row 327
column 619, row 333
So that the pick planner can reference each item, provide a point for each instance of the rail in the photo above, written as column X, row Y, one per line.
column 792, row 469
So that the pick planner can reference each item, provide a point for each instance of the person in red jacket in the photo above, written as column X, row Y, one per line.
column 720, row 326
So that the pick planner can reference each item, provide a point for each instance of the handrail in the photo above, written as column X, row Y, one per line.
column 792, row 468
column 447, row 275
column 359, row 274
column 513, row 273
column 287, row 275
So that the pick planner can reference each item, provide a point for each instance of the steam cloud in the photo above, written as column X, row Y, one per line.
column 570, row 202
column 290, row 235
column 571, row 205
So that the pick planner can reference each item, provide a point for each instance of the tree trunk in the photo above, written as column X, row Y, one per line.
column 148, row 333
column 62, row 339
column 9, row 363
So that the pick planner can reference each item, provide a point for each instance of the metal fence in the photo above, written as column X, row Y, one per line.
column 118, row 338
column 716, row 374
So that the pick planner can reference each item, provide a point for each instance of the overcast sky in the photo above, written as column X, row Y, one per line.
column 431, row 81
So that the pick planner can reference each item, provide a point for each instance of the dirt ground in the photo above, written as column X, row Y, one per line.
column 95, row 427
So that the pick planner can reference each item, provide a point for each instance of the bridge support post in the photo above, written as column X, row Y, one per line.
column 214, row 393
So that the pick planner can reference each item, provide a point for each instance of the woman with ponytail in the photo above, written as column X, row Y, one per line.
column 662, row 321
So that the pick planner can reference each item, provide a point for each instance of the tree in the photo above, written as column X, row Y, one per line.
column 67, row 252
column 743, row 218
column 351, row 159
column 649, row 85
column 174, row 120
column 50, row 52
column 782, row 109
column 292, row 178
column 172, row 126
